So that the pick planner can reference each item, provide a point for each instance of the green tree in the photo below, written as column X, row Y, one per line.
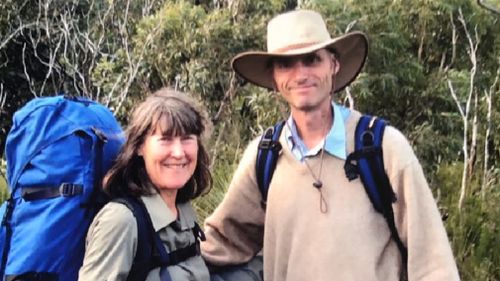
column 433, row 71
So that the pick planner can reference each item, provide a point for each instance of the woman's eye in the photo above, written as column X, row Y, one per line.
column 165, row 138
column 191, row 137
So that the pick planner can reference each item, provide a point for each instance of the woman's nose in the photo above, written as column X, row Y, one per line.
column 177, row 150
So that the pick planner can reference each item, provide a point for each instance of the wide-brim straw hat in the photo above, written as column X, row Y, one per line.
column 301, row 32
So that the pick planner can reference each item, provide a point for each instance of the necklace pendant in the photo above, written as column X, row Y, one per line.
column 318, row 184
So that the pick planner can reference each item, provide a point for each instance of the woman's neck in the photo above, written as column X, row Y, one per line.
column 169, row 196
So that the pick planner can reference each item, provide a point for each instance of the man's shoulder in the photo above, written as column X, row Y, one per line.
column 391, row 133
column 398, row 151
column 393, row 140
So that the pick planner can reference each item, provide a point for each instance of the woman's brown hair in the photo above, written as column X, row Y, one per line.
column 176, row 114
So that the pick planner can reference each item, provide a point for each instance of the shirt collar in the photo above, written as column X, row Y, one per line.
column 335, row 139
column 162, row 216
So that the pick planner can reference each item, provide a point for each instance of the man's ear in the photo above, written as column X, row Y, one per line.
column 275, row 87
column 335, row 65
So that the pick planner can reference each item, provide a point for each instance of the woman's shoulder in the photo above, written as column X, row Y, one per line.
column 113, row 233
column 114, row 217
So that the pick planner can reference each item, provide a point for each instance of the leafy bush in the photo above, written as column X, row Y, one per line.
column 474, row 230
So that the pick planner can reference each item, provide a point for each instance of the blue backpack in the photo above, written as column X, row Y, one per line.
column 366, row 161
column 57, row 152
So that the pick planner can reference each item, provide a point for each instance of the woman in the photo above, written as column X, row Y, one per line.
column 164, row 164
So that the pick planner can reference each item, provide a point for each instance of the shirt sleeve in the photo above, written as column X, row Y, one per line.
column 110, row 245
column 418, row 219
column 234, row 232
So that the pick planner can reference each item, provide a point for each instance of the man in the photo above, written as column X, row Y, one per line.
column 318, row 225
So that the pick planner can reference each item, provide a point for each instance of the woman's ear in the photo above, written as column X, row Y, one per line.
column 140, row 152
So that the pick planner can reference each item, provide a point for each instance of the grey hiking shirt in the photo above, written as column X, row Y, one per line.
column 112, row 241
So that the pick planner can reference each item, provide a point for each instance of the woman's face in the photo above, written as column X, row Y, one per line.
column 170, row 161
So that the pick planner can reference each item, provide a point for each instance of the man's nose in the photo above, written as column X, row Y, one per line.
column 300, row 70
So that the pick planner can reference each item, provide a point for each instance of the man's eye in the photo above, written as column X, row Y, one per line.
column 283, row 63
column 311, row 59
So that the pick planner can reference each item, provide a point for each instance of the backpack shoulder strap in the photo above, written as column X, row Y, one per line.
column 367, row 162
column 148, row 254
column 150, row 250
column 267, row 157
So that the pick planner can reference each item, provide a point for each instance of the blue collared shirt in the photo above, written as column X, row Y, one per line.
column 335, row 140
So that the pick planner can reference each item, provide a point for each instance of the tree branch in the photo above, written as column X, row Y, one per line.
column 489, row 101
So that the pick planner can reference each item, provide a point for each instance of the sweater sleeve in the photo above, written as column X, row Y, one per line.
column 234, row 231
column 110, row 245
column 419, row 222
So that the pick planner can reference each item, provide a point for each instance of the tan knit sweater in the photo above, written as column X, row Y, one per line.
column 349, row 242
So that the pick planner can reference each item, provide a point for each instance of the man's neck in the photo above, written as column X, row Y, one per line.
column 313, row 126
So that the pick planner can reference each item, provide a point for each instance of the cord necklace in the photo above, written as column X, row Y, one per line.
column 318, row 184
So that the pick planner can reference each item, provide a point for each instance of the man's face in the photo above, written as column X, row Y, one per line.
column 305, row 81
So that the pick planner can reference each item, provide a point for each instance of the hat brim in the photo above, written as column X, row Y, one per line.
column 351, row 50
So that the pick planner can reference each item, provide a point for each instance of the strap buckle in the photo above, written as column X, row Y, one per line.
column 267, row 141
column 8, row 211
column 351, row 169
column 100, row 134
column 198, row 233
column 70, row 189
